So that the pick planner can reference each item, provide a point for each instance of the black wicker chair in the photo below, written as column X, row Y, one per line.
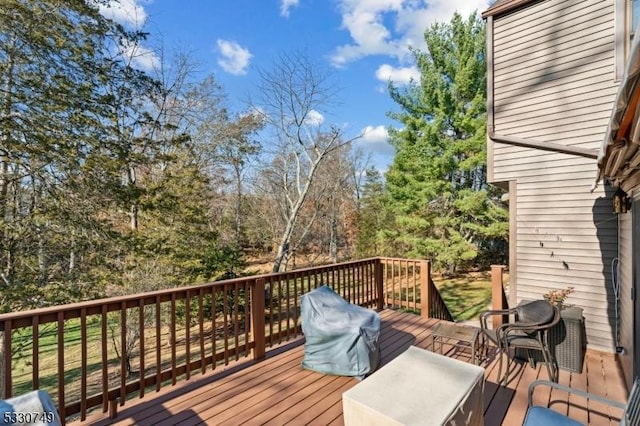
column 532, row 321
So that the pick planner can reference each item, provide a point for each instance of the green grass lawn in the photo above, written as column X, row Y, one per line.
column 467, row 295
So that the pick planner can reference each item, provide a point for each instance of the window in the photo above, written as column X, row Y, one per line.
column 634, row 12
column 626, row 22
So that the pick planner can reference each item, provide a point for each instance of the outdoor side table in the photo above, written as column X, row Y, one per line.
column 418, row 387
column 460, row 336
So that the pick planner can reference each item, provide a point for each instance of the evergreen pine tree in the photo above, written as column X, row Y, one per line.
column 443, row 208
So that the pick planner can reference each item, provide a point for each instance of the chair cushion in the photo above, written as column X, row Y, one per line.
column 537, row 416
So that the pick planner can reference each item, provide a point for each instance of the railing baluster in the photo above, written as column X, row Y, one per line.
column 351, row 279
column 365, row 284
column 344, row 281
column 247, row 317
column 61, row 400
column 392, row 283
column 373, row 290
column 295, row 302
column 372, row 284
column 141, row 326
column 407, row 285
column 353, row 273
column 236, row 320
column 158, row 345
column 415, row 287
column 83, row 362
column 35, row 353
column 123, row 352
column 105, row 360
column 187, row 331
column 173, row 342
column 279, row 310
column 288, row 305
column 214, row 325
column 225, row 323
column 203, row 358
column 368, row 284
column 269, row 282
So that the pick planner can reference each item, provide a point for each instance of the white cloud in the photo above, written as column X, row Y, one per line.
column 140, row 57
column 314, row 118
column 235, row 58
column 401, row 75
column 286, row 5
column 374, row 135
column 129, row 13
column 374, row 140
column 389, row 27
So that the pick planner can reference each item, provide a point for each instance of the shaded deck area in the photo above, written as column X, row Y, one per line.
column 277, row 391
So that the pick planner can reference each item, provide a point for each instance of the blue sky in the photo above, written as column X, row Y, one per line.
column 364, row 42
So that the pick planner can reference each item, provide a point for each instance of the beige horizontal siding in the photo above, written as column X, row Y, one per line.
column 553, row 113
column 539, row 204
column 508, row 171
column 570, row 244
column 588, row 241
column 626, row 304
column 545, row 16
column 565, row 49
column 535, row 37
column 562, row 189
column 557, row 164
column 571, row 120
column 583, row 179
column 540, row 99
column 554, row 82
column 589, row 135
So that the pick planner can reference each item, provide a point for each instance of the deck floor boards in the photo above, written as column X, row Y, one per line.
column 277, row 391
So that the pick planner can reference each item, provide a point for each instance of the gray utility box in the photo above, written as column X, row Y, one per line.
column 566, row 340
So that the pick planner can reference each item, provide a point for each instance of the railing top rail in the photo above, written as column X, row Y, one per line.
column 150, row 297
column 401, row 259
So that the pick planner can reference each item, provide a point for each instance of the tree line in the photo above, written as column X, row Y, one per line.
column 117, row 179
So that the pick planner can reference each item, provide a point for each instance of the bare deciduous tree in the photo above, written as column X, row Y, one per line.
column 294, row 96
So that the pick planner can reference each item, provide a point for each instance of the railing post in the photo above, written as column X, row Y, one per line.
column 257, row 318
column 379, row 280
column 425, row 288
column 497, row 294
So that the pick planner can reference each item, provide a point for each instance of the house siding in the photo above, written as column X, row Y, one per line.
column 554, row 81
column 625, row 278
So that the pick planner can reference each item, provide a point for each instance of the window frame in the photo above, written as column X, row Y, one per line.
column 623, row 33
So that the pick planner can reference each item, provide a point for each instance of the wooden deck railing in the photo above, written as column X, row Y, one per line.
column 408, row 285
column 96, row 354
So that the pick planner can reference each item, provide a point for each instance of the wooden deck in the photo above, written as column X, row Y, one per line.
column 278, row 391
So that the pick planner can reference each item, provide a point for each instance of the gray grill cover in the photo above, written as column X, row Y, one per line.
column 341, row 338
